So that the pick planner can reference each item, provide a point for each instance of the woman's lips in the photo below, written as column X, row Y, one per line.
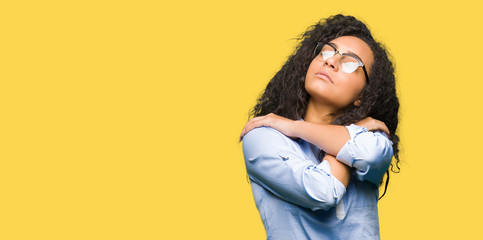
column 324, row 76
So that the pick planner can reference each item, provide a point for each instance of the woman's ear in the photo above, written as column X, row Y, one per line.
column 357, row 102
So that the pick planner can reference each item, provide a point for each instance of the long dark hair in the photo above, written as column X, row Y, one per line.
column 285, row 94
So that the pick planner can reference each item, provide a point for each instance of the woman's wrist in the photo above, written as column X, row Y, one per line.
column 295, row 126
column 330, row 138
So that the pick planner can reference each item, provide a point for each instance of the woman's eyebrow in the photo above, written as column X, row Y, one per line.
column 348, row 52
column 353, row 54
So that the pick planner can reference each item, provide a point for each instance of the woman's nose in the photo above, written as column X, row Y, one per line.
column 332, row 62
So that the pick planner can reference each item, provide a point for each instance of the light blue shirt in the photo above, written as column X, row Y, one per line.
column 297, row 196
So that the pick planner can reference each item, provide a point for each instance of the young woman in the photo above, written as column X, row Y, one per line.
column 314, row 151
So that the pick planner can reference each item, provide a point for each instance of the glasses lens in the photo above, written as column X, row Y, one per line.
column 348, row 64
column 327, row 51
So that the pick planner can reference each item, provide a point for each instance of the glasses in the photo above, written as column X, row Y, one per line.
column 348, row 62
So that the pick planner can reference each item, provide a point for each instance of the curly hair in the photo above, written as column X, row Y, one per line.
column 285, row 94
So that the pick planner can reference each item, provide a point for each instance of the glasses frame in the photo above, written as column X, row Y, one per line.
column 361, row 64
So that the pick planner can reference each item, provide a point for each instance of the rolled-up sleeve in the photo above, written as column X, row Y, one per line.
column 273, row 162
column 370, row 153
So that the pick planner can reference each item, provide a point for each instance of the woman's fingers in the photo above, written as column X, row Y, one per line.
column 385, row 129
column 373, row 125
column 269, row 120
column 251, row 124
column 379, row 125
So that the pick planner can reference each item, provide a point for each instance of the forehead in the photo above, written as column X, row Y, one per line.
column 355, row 45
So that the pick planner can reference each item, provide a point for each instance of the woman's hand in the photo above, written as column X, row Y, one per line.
column 373, row 125
column 283, row 125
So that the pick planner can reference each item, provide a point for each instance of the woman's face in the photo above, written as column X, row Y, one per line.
column 328, row 84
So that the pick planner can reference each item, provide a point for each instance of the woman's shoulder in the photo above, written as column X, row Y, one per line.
column 266, row 136
column 267, row 142
column 264, row 133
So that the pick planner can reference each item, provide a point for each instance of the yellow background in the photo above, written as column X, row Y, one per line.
column 119, row 119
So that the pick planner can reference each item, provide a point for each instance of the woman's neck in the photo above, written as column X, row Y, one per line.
column 318, row 113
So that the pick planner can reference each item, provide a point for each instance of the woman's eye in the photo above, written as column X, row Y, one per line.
column 327, row 54
column 349, row 67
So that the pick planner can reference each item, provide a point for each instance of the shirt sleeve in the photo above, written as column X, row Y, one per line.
column 370, row 153
column 272, row 161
